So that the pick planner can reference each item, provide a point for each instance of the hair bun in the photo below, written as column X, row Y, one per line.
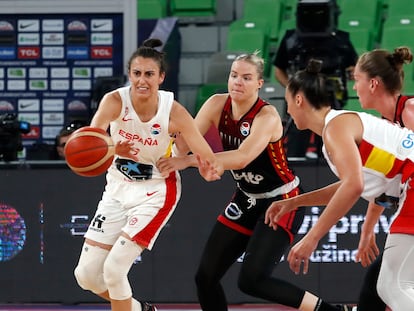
column 152, row 43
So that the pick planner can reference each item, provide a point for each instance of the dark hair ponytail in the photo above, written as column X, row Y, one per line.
column 312, row 83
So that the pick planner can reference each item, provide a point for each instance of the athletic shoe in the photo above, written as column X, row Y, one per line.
column 145, row 306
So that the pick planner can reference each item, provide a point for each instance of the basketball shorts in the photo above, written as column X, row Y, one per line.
column 139, row 209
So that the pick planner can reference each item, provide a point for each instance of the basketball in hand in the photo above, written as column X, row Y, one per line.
column 89, row 151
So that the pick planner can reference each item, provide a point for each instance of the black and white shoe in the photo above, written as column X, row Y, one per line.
column 145, row 306
column 346, row 308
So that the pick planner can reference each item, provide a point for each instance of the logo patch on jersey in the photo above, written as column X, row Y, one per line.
column 245, row 128
column 232, row 211
column 155, row 129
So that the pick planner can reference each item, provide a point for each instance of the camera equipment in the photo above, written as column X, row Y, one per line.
column 316, row 17
column 10, row 136
column 316, row 36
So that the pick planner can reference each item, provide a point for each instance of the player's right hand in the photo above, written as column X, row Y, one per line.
column 276, row 210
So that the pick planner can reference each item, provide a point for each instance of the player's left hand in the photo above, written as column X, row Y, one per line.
column 367, row 249
column 276, row 210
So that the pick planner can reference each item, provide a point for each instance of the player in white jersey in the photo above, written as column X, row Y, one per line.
column 138, row 200
column 372, row 158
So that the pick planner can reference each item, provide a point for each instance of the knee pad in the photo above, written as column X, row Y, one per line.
column 89, row 271
column 117, row 265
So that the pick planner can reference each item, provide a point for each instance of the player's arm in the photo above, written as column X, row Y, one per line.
column 343, row 152
column 108, row 110
column 260, row 136
column 181, row 121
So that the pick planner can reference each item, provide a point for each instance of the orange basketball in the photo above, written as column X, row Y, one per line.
column 89, row 151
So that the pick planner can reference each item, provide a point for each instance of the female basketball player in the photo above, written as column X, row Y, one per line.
column 378, row 81
column 251, row 134
column 371, row 157
column 138, row 200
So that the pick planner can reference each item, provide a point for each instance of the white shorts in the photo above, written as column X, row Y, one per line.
column 140, row 209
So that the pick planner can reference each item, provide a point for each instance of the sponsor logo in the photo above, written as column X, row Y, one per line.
column 53, row 118
column 52, row 39
column 248, row 177
column 77, row 39
column 101, row 52
column 32, row 118
column 55, row 52
column 38, row 72
column 59, row 85
column 59, row 72
column 53, row 105
column 81, row 84
column 151, row 193
column 28, row 52
column 33, row 134
column 16, row 72
column 6, row 26
column 7, row 40
column 28, row 39
column 28, row 104
column 77, row 26
column 245, row 128
column 77, row 105
column 6, row 106
column 101, row 38
column 28, row 25
column 38, row 85
column 101, row 24
column 102, row 72
column 52, row 25
column 77, row 53
column 155, row 129
column 16, row 85
column 7, row 53
column 232, row 211
column 81, row 72
column 133, row 221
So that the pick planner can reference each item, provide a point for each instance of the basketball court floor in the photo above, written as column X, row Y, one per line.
column 160, row 307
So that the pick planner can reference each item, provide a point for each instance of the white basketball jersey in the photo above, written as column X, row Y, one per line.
column 385, row 149
column 151, row 139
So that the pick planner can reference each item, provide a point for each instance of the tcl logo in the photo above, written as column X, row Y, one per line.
column 29, row 52
column 101, row 52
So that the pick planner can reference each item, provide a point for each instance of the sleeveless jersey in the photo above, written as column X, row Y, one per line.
column 399, row 109
column 270, row 169
column 151, row 139
column 387, row 154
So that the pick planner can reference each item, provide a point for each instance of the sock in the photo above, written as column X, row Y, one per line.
column 136, row 305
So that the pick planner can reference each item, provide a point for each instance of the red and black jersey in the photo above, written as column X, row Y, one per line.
column 399, row 109
column 270, row 169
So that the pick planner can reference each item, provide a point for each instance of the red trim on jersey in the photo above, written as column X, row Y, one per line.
column 234, row 226
column 145, row 236
column 287, row 220
column 276, row 153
